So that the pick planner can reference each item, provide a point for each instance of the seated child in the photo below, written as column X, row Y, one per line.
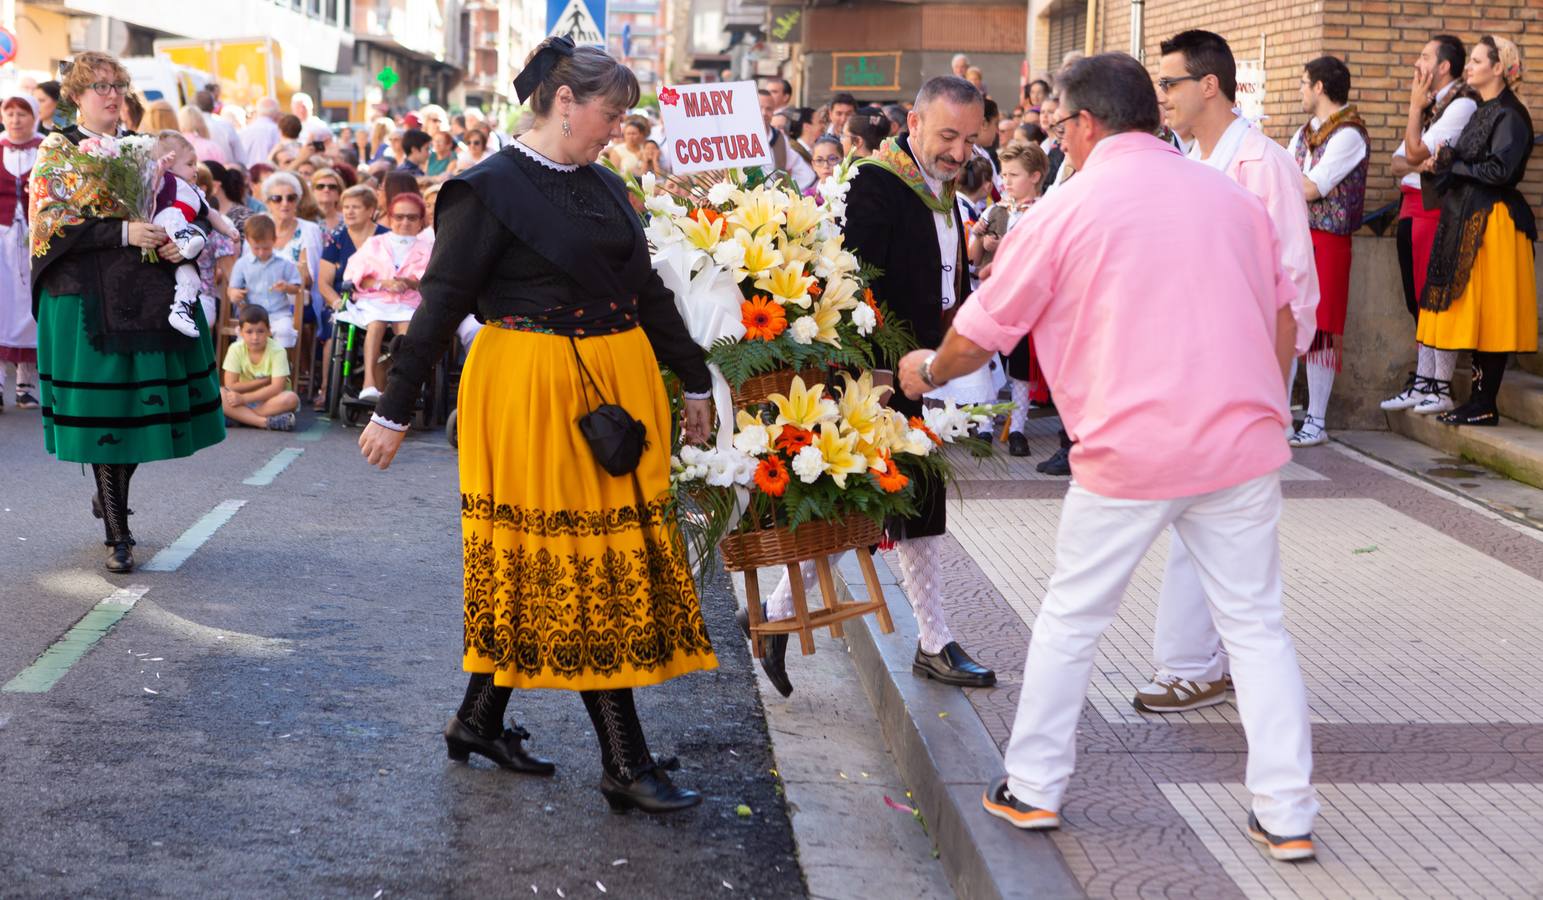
column 180, row 209
column 255, row 391
column 264, row 279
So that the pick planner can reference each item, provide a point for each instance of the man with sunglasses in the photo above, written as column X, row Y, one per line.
column 1197, row 88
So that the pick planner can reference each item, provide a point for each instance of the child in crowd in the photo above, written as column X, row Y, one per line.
column 973, row 194
column 180, row 209
column 256, row 389
column 268, row 280
column 1023, row 173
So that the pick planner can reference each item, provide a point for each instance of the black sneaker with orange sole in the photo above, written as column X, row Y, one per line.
column 1000, row 802
column 1286, row 849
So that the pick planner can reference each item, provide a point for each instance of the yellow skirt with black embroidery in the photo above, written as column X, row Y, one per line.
column 1497, row 311
column 575, row 578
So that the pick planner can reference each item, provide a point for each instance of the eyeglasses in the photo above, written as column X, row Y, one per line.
column 405, row 217
column 827, row 160
column 282, row 198
column 105, row 88
column 1166, row 84
column 476, row 143
column 1058, row 127
column 326, row 186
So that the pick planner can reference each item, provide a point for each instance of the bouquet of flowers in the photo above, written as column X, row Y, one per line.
column 762, row 279
column 821, row 454
column 102, row 177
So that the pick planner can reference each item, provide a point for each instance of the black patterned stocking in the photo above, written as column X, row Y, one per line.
column 623, row 749
column 482, row 709
column 112, row 491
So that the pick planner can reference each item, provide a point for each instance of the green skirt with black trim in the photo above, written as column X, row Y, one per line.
column 123, row 407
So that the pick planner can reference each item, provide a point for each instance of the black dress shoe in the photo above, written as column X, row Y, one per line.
column 952, row 665
column 1017, row 444
column 120, row 557
column 650, row 792
column 1057, row 464
column 504, row 750
column 1469, row 415
column 774, row 660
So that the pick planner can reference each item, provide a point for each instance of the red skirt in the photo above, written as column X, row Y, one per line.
column 1331, row 255
column 1422, row 233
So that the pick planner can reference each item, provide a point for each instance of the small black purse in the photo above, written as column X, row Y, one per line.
column 615, row 438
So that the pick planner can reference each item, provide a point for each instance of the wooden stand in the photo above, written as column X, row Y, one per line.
column 803, row 623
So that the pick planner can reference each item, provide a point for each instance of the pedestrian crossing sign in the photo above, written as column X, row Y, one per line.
column 580, row 20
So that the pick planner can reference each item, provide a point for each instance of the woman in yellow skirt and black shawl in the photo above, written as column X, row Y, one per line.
column 1480, row 291
column 574, row 578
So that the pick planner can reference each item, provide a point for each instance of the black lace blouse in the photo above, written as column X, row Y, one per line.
column 481, row 266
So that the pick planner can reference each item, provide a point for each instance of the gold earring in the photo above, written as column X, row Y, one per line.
column 567, row 129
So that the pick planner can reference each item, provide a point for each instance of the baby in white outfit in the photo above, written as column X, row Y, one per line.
column 180, row 217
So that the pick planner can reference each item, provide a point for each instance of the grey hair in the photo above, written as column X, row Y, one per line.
column 947, row 87
column 278, row 178
column 1113, row 88
column 590, row 73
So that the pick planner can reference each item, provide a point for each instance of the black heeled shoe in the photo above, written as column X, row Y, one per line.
column 120, row 557
column 774, row 658
column 1464, row 415
column 651, row 792
column 504, row 751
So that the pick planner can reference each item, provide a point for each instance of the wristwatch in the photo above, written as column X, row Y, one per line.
column 926, row 371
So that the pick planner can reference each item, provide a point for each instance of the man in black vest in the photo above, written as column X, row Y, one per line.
column 901, row 217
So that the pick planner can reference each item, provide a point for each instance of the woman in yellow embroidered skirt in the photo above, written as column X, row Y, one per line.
column 575, row 578
column 1480, row 292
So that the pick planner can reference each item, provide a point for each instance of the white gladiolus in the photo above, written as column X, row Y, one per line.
column 918, row 442
column 809, row 465
column 663, row 205
column 648, row 182
column 947, row 421
column 729, row 254
column 864, row 319
column 661, row 232
column 803, row 330
column 753, row 440
column 720, row 193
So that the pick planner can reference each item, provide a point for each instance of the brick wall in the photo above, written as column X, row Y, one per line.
column 1378, row 39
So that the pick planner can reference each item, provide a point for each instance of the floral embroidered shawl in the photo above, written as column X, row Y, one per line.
column 894, row 159
column 68, row 188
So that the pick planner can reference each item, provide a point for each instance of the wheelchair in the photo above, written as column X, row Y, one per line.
column 435, row 402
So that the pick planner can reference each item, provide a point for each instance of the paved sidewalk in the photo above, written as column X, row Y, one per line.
column 1417, row 618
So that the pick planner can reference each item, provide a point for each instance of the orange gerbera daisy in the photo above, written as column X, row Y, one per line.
column 706, row 215
column 815, row 290
column 918, row 422
column 793, row 439
column 763, row 318
column 878, row 314
column 891, row 480
column 771, row 476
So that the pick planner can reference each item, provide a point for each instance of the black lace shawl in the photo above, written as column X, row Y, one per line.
column 1480, row 170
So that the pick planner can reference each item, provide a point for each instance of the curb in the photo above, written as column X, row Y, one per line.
column 944, row 753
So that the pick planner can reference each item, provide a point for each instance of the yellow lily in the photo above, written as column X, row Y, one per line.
column 755, row 210
column 839, row 450
column 794, row 250
column 841, row 293
column 827, row 316
column 802, row 216
column 760, row 254
column 787, row 284
column 862, row 405
column 803, row 407
column 699, row 235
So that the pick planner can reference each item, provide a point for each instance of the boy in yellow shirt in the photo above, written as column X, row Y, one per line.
column 256, row 387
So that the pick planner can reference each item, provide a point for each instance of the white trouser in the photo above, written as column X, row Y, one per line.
column 1184, row 641
column 1232, row 535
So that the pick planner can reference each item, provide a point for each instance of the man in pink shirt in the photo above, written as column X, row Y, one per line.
column 1193, row 444
column 1197, row 87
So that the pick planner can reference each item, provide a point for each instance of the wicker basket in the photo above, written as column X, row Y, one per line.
column 758, row 388
column 781, row 546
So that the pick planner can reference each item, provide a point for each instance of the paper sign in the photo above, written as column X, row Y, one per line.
column 713, row 126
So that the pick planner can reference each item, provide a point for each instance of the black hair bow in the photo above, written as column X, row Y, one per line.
column 531, row 77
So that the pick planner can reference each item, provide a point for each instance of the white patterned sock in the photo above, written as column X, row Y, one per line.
column 1020, row 415
column 1320, row 382
column 921, row 569
column 1446, row 361
column 1425, row 365
column 27, row 378
column 780, row 604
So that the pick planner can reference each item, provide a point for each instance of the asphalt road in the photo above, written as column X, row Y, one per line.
column 303, row 661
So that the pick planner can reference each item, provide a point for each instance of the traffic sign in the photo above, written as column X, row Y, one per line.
column 7, row 46
column 581, row 20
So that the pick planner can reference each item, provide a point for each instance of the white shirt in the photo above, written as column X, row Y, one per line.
column 948, row 241
column 1442, row 131
column 1341, row 155
column 801, row 172
column 224, row 136
column 258, row 139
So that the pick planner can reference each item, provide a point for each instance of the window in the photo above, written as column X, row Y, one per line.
column 332, row 11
